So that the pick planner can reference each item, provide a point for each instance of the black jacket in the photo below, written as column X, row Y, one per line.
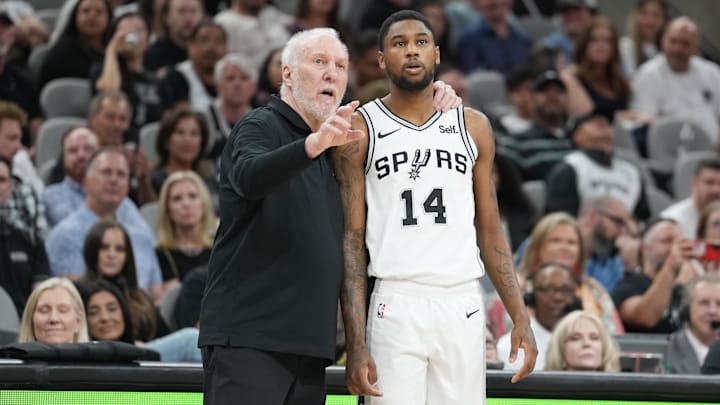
column 276, row 266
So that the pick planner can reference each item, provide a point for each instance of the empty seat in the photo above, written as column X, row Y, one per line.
column 66, row 97
column 535, row 190
column 486, row 91
column 670, row 136
column 148, row 137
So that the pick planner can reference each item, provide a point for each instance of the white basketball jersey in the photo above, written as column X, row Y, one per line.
column 420, row 200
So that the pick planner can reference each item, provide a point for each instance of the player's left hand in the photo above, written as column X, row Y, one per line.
column 444, row 97
column 522, row 337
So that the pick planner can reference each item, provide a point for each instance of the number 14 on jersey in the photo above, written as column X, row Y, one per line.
column 433, row 204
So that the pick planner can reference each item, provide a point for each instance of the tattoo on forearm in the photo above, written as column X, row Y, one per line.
column 504, row 268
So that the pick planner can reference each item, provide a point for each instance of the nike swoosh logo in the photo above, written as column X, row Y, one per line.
column 469, row 314
column 381, row 135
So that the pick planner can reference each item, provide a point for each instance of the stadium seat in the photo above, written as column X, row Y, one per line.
column 167, row 306
column 49, row 139
column 624, row 139
column 149, row 212
column 669, row 136
column 684, row 170
column 537, row 27
column 535, row 189
column 148, row 136
column 485, row 90
column 36, row 60
column 658, row 200
column 9, row 319
column 66, row 97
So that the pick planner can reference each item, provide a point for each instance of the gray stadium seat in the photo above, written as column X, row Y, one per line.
column 36, row 60
column 9, row 319
column 148, row 136
column 537, row 27
column 535, row 189
column 658, row 200
column 66, row 97
column 685, row 168
column 486, row 91
column 149, row 212
column 624, row 139
column 48, row 144
column 167, row 305
column 634, row 158
column 665, row 141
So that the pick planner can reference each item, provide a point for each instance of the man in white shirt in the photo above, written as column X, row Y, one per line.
column 679, row 83
column 689, row 346
column 705, row 188
column 553, row 296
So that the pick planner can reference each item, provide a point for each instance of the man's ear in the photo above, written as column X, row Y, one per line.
column 381, row 60
column 286, row 74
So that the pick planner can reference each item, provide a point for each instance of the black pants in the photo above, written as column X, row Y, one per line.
column 236, row 375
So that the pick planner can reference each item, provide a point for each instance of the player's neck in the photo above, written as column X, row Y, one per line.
column 415, row 107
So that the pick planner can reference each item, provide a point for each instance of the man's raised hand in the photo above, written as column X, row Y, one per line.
column 335, row 131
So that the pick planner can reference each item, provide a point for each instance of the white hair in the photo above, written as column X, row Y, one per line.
column 237, row 60
column 300, row 42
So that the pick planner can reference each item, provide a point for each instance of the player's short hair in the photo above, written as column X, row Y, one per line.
column 402, row 15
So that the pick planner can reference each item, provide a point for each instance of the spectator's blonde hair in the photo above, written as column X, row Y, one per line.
column 165, row 226
column 555, row 358
column 27, row 330
column 531, row 257
column 300, row 43
column 11, row 111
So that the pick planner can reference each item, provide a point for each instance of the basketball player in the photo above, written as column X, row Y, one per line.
column 424, row 179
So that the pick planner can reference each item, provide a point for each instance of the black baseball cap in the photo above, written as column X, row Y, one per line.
column 574, row 123
column 563, row 5
column 547, row 78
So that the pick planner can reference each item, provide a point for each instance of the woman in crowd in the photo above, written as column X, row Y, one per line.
column 81, row 43
column 434, row 10
column 580, row 342
column 123, row 69
column 644, row 31
column 595, row 80
column 108, row 319
column 316, row 14
column 269, row 78
column 54, row 314
column 180, row 145
column 109, row 255
column 186, row 225
column 708, row 232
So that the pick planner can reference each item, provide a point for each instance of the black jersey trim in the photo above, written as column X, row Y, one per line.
column 371, row 138
column 466, row 139
column 407, row 124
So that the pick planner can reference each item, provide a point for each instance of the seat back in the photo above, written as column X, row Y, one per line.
column 9, row 319
column 66, row 97
column 535, row 189
column 684, row 171
column 167, row 305
column 668, row 136
column 49, row 139
column 148, row 137
column 149, row 212
column 486, row 91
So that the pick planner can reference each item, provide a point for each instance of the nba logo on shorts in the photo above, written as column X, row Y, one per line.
column 381, row 310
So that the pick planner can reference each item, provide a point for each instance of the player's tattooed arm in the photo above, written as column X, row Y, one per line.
column 494, row 247
column 349, row 162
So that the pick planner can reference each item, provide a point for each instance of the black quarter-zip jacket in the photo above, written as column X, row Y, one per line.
column 276, row 266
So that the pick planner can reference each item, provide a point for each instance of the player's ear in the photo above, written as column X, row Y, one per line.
column 381, row 59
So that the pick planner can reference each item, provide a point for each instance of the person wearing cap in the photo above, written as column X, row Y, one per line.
column 592, row 171
column 493, row 42
column 537, row 150
column 679, row 83
column 576, row 16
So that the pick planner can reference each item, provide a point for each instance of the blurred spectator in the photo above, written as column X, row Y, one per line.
column 54, row 314
column 678, row 82
column 187, row 306
column 493, row 42
column 122, row 69
column 594, row 171
column 108, row 319
column 594, row 80
column 29, row 31
column 109, row 119
column 435, row 13
column 376, row 11
column 23, row 208
column 186, row 226
column 708, row 231
column 254, row 28
column 316, row 14
column 236, row 84
column 705, row 188
column 575, row 17
column 491, row 353
column 516, row 210
column 191, row 83
column 66, row 192
column 106, row 186
column 648, row 300
column 269, row 77
column 180, row 18
column 80, row 44
column 181, row 144
column 16, row 84
column 22, row 262
column 607, row 226
column 643, row 34
column 519, row 83
column 701, row 305
column 552, row 296
column 558, row 238
column 453, row 76
column 540, row 148
column 364, row 66
column 580, row 342
column 108, row 255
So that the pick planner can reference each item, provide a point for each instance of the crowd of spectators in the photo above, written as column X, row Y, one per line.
column 597, row 254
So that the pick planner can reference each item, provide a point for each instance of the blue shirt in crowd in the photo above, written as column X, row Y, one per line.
column 479, row 47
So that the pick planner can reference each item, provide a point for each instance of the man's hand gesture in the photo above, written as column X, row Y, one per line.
column 334, row 131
